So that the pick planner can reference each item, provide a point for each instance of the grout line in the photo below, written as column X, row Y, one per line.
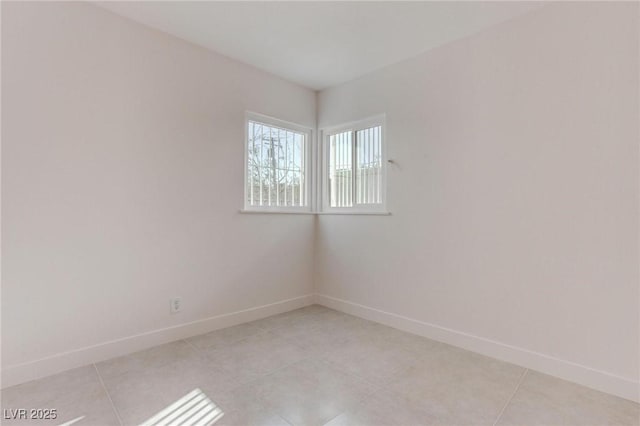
column 194, row 347
column 355, row 404
column 271, row 373
column 511, row 397
column 378, row 388
column 343, row 370
column 115, row 410
column 283, row 419
column 264, row 403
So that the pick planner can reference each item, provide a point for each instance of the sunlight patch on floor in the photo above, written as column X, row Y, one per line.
column 193, row 409
column 70, row 422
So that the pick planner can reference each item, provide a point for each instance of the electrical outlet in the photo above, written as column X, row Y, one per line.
column 175, row 305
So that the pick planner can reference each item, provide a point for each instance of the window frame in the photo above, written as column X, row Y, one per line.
column 308, row 164
column 353, row 127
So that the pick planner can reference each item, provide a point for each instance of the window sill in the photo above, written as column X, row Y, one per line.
column 243, row 211
column 356, row 213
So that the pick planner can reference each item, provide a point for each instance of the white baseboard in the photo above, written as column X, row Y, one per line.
column 24, row 372
column 586, row 376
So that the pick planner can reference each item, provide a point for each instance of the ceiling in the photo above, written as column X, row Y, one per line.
column 319, row 44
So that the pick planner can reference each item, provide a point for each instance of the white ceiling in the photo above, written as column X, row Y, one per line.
column 319, row 43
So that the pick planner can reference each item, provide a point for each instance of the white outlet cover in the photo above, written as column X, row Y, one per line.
column 175, row 305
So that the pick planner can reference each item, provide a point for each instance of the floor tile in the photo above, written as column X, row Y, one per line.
column 385, row 409
column 75, row 395
column 225, row 336
column 193, row 408
column 327, row 330
column 317, row 340
column 309, row 367
column 253, row 357
column 375, row 360
column 140, row 390
column 141, row 393
column 546, row 400
column 293, row 322
column 253, row 416
column 310, row 392
column 413, row 343
column 459, row 387
column 241, row 408
column 149, row 358
column 345, row 325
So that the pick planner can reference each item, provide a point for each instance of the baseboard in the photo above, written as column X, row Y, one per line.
column 24, row 372
column 586, row 376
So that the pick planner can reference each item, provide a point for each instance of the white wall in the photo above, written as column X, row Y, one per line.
column 122, row 180
column 515, row 196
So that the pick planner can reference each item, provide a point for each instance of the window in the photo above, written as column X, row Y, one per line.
column 277, row 165
column 355, row 167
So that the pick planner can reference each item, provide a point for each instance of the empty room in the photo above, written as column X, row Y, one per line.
column 341, row 213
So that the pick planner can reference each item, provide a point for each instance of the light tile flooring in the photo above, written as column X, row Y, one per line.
column 313, row 366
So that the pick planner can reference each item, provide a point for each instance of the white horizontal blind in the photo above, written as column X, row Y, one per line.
column 369, row 165
column 341, row 169
column 355, row 167
column 275, row 166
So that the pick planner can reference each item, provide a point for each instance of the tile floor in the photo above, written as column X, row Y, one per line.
column 313, row 366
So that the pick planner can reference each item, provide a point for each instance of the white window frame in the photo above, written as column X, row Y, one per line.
column 308, row 166
column 325, row 134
